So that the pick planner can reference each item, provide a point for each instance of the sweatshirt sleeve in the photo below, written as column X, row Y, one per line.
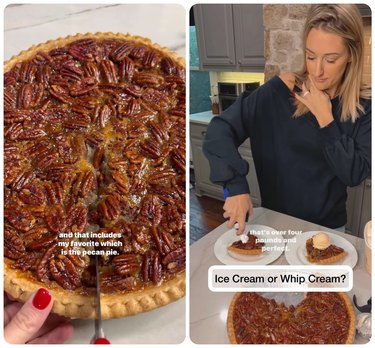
column 349, row 156
column 225, row 134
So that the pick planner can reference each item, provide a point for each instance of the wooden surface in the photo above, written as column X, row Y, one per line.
column 205, row 215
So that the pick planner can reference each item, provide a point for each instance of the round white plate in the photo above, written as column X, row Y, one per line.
column 295, row 252
column 263, row 232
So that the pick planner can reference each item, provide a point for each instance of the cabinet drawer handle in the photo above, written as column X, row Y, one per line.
column 203, row 133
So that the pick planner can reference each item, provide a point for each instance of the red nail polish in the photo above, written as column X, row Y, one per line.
column 42, row 299
column 101, row 340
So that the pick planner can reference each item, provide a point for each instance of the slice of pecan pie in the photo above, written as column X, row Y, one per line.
column 328, row 255
column 320, row 318
column 251, row 247
column 94, row 163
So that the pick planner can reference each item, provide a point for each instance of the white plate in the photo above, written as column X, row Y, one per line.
column 295, row 252
column 261, row 231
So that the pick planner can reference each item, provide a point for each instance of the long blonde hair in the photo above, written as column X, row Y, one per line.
column 343, row 20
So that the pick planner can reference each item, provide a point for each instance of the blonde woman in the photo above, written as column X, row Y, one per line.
column 310, row 131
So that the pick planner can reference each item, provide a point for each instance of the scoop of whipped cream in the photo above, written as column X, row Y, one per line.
column 244, row 238
column 321, row 241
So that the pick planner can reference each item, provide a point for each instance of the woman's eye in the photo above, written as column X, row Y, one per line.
column 310, row 58
column 330, row 61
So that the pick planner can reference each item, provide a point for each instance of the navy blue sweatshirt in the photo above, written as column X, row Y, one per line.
column 303, row 170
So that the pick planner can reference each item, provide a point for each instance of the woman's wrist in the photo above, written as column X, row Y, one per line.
column 324, row 120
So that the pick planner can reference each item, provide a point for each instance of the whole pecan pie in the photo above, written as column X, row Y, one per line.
column 94, row 164
column 321, row 317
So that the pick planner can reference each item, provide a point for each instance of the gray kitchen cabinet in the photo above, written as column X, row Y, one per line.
column 203, row 185
column 358, row 207
column 230, row 37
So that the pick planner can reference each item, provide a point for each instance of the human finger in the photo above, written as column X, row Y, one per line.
column 30, row 318
column 305, row 91
column 7, row 299
column 313, row 85
column 53, row 321
column 231, row 222
column 58, row 335
column 300, row 98
column 241, row 226
column 10, row 310
column 226, row 215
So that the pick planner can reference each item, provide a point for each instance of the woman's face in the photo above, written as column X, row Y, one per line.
column 326, row 59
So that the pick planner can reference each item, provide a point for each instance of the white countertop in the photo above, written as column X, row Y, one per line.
column 26, row 25
column 201, row 117
column 208, row 310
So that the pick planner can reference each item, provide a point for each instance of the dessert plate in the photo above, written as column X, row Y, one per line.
column 274, row 246
column 295, row 251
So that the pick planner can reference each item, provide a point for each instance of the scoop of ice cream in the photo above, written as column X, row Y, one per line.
column 321, row 241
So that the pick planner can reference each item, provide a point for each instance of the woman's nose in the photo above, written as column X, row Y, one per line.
column 319, row 68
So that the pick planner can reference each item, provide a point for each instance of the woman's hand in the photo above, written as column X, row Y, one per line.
column 236, row 209
column 318, row 102
column 32, row 322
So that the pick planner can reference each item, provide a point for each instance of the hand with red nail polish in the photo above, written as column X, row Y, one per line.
column 32, row 322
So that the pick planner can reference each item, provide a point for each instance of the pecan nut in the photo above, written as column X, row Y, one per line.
column 114, row 283
column 19, row 217
column 152, row 268
column 65, row 273
column 56, row 219
column 175, row 260
column 110, row 208
column 126, row 265
column 14, row 247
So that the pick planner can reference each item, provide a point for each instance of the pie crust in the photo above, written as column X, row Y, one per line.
column 326, row 256
column 147, row 205
column 320, row 318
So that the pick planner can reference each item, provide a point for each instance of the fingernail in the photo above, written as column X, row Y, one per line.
column 293, row 94
column 42, row 299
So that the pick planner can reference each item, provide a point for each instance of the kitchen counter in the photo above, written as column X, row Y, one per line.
column 208, row 310
column 201, row 117
column 27, row 25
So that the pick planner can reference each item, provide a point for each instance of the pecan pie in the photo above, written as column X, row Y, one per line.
column 328, row 255
column 94, row 164
column 251, row 247
column 319, row 318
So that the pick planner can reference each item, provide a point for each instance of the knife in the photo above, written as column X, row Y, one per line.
column 99, row 337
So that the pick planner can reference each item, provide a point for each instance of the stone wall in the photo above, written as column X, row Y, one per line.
column 283, row 26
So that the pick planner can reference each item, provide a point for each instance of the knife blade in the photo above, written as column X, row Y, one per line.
column 99, row 337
